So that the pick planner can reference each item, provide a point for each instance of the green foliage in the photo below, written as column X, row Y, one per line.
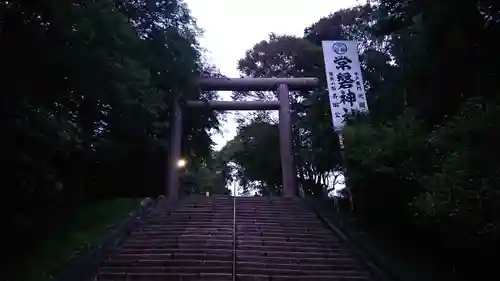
column 461, row 192
column 407, row 176
column 316, row 150
column 431, row 174
column 421, row 165
column 86, row 94
column 255, row 151
column 210, row 176
column 382, row 163
column 71, row 236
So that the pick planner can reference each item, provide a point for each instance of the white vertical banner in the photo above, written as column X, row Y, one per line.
column 344, row 79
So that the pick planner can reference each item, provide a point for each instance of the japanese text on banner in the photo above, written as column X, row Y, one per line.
column 345, row 83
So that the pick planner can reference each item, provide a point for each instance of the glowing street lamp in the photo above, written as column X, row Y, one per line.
column 181, row 163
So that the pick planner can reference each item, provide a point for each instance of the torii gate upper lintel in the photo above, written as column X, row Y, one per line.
column 281, row 85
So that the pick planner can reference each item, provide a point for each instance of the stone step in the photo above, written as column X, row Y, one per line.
column 256, row 251
column 339, row 260
column 251, row 229
column 241, row 222
column 204, row 199
column 161, row 235
column 277, row 208
column 174, row 251
column 276, row 243
column 166, row 241
column 180, row 231
column 300, row 272
column 239, row 231
column 292, row 266
column 276, row 234
column 274, row 219
column 249, row 215
column 178, row 244
column 187, row 220
column 162, row 262
column 285, row 277
column 266, row 200
column 269, row 239
column 229, row 210
column 228, row 270
column 167, row 227
column 238, row 213
column 288, row 206
column 214, row 205
column 184, row 228
column 197, row 216
column 263, row 205
column 291, row 224
column 167, row 269
column 270, row 207
column 266, row 240
column 225, row 256
column 282, row 231
column 276, row 239
column 289, row 255
column 285, row 212
column 210, row 212
column 287, row 248
column 123, row 276
column 289, row 211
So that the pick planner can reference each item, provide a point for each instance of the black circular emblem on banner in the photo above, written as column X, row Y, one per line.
column 340, row 48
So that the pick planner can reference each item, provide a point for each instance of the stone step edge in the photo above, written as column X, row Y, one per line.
column 222, row 268
column 130, row 276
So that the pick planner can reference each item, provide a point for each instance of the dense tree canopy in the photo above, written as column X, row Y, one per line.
column 422, row 163
column 87, row 88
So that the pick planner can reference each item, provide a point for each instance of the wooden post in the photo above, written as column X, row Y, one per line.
column 234, row 105
column 286, row 143
column 344, row 168
column 256, row 84
column 172, row 186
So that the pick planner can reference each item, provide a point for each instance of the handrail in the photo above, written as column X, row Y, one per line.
column 234, row 238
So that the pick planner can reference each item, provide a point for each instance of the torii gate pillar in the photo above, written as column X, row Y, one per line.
column 286, row 143
column 175, row 147
column 281, row 85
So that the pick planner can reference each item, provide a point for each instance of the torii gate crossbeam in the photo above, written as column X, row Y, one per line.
column 281, row 85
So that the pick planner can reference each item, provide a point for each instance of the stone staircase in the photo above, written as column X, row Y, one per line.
column 276, row 239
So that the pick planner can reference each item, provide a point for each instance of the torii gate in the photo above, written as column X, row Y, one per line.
column 282, row 85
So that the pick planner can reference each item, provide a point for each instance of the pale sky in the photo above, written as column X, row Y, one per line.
column 231, row 27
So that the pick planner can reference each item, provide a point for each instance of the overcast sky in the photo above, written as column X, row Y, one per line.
column 232, row 27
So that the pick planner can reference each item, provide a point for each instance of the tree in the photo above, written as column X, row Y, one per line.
column 288, row 56
column 255, row 152
column 86, row 101
column 425, row 160
column 419, row 164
